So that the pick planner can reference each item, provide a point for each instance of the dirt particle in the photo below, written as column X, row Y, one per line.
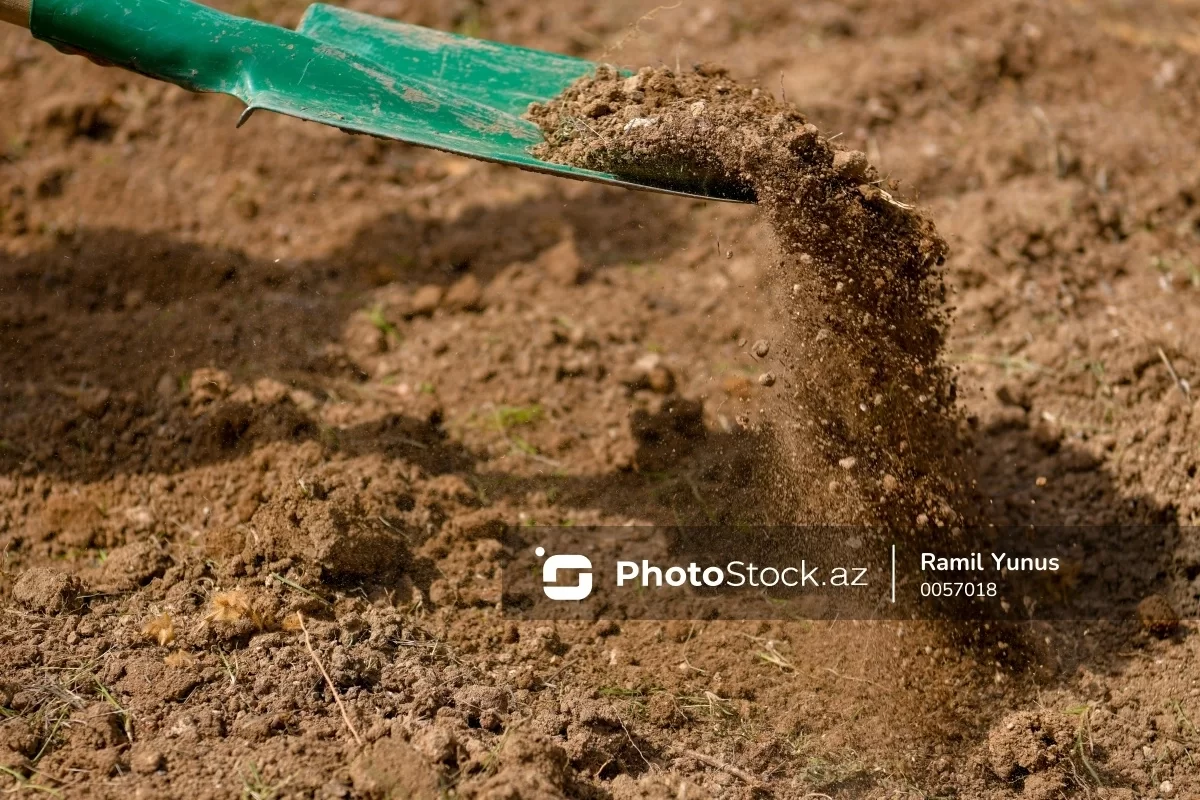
column 1158, row 616
column 46, row 591
column 663, row 710
column 851, row 165
column 562, row 263
column 761, row 348
column 482, row 707
column 390, row 767
column 650, row 373
column 224, row 542
column 93, row 402
column 136, row 564
column 1028, row 741
column 146, row 759
column 464, row 295
column 425, row 301
column 208, row 384
column 329, row 528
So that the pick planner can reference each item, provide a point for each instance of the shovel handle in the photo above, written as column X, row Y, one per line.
column 15, row 12
column 178, row 41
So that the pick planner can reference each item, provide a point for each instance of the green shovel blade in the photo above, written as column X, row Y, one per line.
column 354, row 71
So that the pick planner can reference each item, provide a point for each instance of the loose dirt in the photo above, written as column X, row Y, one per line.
column 252, row 377
column 865, row 430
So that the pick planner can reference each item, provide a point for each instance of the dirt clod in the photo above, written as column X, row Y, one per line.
column 46, row 591
column 1157, row 616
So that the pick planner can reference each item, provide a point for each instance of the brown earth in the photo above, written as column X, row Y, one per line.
column 278, row 376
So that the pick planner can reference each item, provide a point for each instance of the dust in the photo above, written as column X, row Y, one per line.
column 863, row 420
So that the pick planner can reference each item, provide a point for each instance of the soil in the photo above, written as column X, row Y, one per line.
column 865, row 433
column 274, row 400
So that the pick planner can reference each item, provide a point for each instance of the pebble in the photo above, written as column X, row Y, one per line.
column 639, row 122
column 761, row 348
column 1166, row 789
column 145, row 760
column 766, row 379
column 850, row 164
column 848, row 462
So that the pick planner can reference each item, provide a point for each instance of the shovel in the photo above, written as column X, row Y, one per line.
column 353, row 71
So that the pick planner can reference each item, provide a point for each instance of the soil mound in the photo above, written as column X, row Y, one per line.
column 864, row 412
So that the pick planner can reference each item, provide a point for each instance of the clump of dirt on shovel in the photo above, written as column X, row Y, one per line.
column 864, row 425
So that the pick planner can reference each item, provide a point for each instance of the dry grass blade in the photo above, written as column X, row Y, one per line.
column 715, row 763
column 337, row 698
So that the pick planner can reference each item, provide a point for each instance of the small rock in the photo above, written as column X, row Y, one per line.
column 1158, row 616
column 224, row 542
column 598, row 108
column 890, row 484
column 766, row 379
column 425, row 300
column 761, row 348
column 639, row 122
column 145, row 759
column 465, row 295
column 1166, row 789
column 848, row 462
column 851, row 164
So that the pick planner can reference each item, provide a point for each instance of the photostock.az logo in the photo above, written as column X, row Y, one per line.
column 550, row 571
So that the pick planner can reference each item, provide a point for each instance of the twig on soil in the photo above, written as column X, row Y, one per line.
column 629, row 736
column 837, row 674
column 337, row 698
column 393, row 528
column 291, row 584
column 721, row 765
column 1181, row 385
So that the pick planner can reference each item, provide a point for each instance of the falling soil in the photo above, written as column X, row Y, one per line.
column 863, row 416
column 253, row 379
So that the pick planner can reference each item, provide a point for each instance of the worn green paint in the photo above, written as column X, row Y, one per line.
column 354, row 71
